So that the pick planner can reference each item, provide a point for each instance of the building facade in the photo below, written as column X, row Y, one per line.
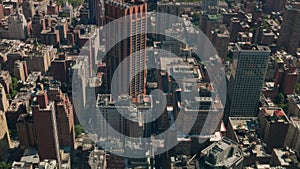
column 246, row 79
column 289, row 36
column 133, row 48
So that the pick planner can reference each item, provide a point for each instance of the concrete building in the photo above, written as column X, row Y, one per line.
column 290, row 80
column 87, row 37
column 26, row 131
column 97, row 159
column 45, row 127
column 133, row 72
column 294, row 106
column 68, row 10
column 284, row 158
column 39, row 58
column 210, row 20
column 19, row 105
column 96, row 8
column 223, row 154
column 209, row 3
column 289, row 36
column 246, row 79
column 38, row 24
column 50, row 37
column 220, row 39
column 111, row 109
column 234, row 28
column 62, row 28
column 275, row 5
column 52, row 8
column 245, row 131
column 64, row 117
column 200, row 113
column 292, row 140
column 80, row 77
column 274, row 127
column 28, row 9
column 17, row 26
column 183, row 161
column 30, row 158
column 4, row 137
column 60, row 68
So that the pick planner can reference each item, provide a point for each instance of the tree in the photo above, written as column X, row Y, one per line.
column 279, row 99
column 297, row 88
column 284, row 107
column 13, row 94
column 78, row 130
column 14, row 83
column 5, row 165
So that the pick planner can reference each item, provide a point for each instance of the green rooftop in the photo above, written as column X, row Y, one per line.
column 213, row 17
column 77, row 66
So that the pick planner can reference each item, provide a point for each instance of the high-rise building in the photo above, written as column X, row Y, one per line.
column 26, row 131
column 17, row 26
column 133, row 47
column 79, row 85
column 28, row 8
column 292, row 140
column 52, row 8
column 45, row 127
column 4, row 137
column 289, row 36
column 60, row 68
column 275, row 5
column 38, row 24
column 209, row 3
column 132, row 125
column 96, row 11
column 64, row 116
column 274, row 127
column 220, row 39
column 246, row 78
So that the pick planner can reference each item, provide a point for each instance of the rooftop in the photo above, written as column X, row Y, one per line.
column 127, row 4
column 274, row 115
column 97, row 159
column 245, row 46
column 285, row 157
column 214, row 153
column 245, row 131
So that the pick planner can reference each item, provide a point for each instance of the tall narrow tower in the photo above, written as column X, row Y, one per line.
column 133, row 71
column 247, row 78
column 289, row 36
column 45, row 126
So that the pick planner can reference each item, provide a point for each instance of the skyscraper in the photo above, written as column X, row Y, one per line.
column 133, row 47
column 289, row 35
column 246, row 78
